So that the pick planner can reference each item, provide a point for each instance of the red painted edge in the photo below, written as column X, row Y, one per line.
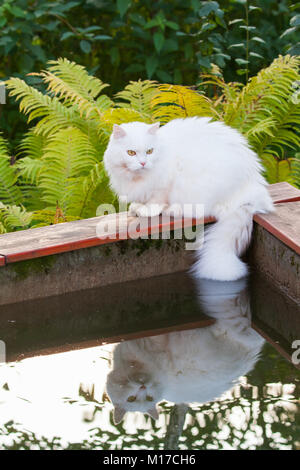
column 290, row 199
column 204, row 323
column 277, row 233
column 2, row 260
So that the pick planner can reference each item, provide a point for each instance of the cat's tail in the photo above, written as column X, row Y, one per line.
column 224, row 242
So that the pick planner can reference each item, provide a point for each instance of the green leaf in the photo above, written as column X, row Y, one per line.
column 17, row 12
column 66, row 35
column 207, row 27
column 158, row 40
column 27, row 62
column 207, row 8
column 172, row 25
column 188, row 51
column 288, row 31
column 242, row 61
column 85, row 46
column 248, row 28
column 295, row 21
column 102, row 37
column 122, row 6
column 254, row 54
column 253, row 8
column 151, row 65
column 115, row 56
column 238, row 20
column 164, row 76
column 139, row 19
column 170, row 45
column 237, row 45
column 295, row 6
column 152, row 23
column 257, row 39
column 204, row 61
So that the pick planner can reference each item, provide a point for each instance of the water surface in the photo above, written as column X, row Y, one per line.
column 217, row 357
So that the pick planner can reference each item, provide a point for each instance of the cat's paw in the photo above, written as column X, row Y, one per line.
column 175, row 211
column 149, row 210
column 146, row 210
column 133, row 208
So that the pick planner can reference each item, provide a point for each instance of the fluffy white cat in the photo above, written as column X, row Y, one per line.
column 188, row 366
column 188, row 162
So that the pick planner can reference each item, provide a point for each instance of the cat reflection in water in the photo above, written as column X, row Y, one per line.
column 188, row 366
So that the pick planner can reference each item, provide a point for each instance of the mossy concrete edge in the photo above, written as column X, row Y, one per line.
column 91, row 267
column 275, row 260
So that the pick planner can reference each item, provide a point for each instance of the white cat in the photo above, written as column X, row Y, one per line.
column 187, row 366
column 192, row 161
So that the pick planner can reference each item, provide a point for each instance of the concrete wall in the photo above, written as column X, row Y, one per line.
column 279, row 263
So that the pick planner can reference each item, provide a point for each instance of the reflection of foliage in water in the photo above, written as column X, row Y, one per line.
column 253, row 416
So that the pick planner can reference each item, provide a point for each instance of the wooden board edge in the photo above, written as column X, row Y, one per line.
column 259, row 219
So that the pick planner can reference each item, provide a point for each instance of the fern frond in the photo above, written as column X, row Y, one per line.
column 90, row 184
column 119, row 116
column 32, row 145
column 264, row 110
column 69, row 157
column 174, row 101
column 296, row 170
column 30, row 169
column 14, row 217
column 52, row 113
column 72, row 84
column 277, row 170
column 138, row 96
column 9, row 191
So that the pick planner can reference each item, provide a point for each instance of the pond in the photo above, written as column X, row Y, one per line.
column 161, row 363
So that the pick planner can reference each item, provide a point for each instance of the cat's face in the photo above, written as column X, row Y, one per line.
column 135, row 146
column 133, row 389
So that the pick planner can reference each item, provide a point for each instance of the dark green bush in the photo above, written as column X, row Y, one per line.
column 166, row 40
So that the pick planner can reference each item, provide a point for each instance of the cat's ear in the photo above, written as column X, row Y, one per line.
column 119, row 414
column 118, row 131
column 153, row 413
column 152, row 129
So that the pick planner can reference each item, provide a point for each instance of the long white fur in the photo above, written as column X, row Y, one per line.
column 194, row 161
column 194, row 366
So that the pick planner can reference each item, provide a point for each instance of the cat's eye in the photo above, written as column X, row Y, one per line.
column 131, row 399
column 131, row 152
column 149, row 151
column 149, row 398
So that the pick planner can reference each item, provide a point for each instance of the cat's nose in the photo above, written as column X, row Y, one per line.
column 142, row 387
column 143, row 163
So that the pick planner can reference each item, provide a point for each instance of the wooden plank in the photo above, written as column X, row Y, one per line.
column 43, row 241
column 284, row 192
column 284, row 224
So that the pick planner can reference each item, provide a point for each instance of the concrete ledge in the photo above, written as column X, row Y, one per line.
column 91, row 267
